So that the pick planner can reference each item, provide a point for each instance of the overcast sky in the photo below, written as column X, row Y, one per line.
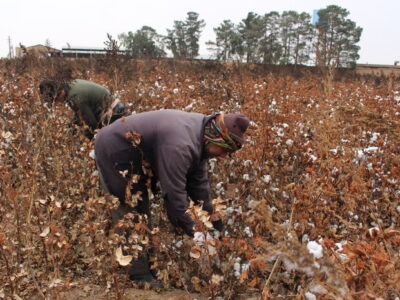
column 86, row 23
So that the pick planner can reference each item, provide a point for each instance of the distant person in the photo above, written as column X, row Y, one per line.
column 92, row 103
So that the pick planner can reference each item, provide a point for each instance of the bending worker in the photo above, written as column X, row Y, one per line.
column 176, row 145
column 92, row 103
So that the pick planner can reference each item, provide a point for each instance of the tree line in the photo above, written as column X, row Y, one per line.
column 272, row 38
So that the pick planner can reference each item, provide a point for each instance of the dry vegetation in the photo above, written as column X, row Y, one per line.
column 321, row 169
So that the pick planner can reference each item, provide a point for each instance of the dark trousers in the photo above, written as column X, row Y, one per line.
column 115, row 177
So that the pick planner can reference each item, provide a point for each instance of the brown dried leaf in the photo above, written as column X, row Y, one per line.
column 195, row 252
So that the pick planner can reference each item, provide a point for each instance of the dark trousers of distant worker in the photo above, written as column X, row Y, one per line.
column 115, row 173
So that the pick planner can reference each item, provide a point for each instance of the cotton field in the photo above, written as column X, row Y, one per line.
column 311, row 204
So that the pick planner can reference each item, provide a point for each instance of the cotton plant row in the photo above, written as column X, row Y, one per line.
column 308, row 202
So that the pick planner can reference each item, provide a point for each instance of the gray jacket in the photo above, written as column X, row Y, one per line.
column 173, row 143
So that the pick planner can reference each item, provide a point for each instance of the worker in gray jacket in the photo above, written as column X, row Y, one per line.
column 176, row 146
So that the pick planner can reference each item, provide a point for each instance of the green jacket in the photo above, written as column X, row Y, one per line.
column 89, row 101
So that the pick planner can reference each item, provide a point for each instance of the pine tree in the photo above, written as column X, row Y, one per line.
column 270, row 47
column 251, row 31
column 183, row 39
column 337, row 38
column 228, row 44
column 193, row 30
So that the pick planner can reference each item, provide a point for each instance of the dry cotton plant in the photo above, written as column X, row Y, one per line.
column 310, row 205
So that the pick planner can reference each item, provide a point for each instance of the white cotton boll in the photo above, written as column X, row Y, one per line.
column 371, row 149
column 313, row 157
column 212, row 162
column 95, row 173
column 236, row 268
column 179, row 244
column 284, row 125
column 318, row 289
column 304, row 238
column 315, row 249
column 280, row 132
column 398, row 209
column 247, row 163
column 334, row 151
column 211, row 250
column 229, row 210
column 266, row 178
column 251, row 204
column 219, row 185
column 373, row 231
column 175, row 91
column 253, row 124
column 246, row 177
column 374, row 137
column 289, row 142
column 92, row 154
column 248, row 231
column 360, row 154
column 310, row 296
column 199, row 238
column 245, row 267
column 189, row 106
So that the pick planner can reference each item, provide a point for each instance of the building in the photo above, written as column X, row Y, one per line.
column 37, row 50
column 372, row 69
column 88, row 52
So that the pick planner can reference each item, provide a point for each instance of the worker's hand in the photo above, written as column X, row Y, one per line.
column 218, row 225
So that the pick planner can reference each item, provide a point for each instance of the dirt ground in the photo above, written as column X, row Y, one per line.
column 97, row 293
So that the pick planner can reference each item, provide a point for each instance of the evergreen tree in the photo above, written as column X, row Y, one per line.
column 302, row 39
column 251, row 31
column 144, row 43
column 193, row 28
column 270, row 47
column 228, row 42
column 183, row 39
column 337, row 38
column 287, row 32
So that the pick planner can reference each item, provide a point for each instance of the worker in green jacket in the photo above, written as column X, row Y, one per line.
column 93, row 104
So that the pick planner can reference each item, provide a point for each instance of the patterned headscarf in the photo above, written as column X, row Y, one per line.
column 216, row 132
